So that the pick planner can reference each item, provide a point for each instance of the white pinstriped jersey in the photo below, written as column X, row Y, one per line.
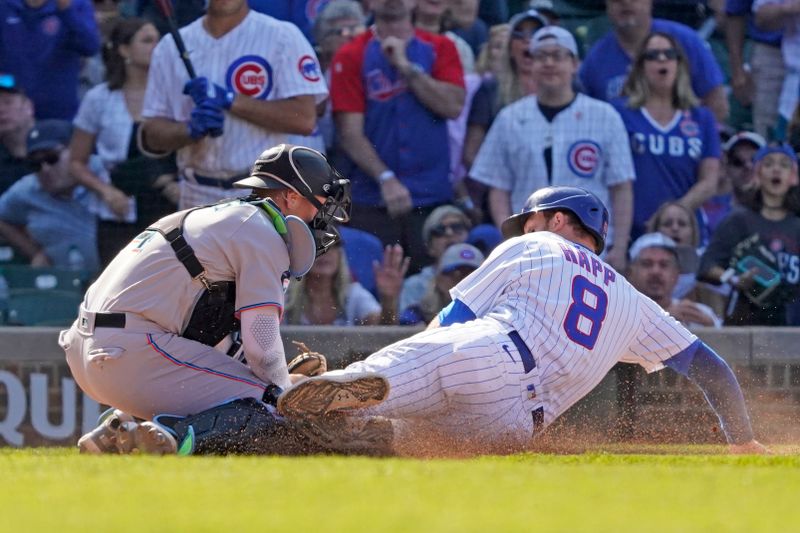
column 589, row 149
column 262, row 57
column 576, row 314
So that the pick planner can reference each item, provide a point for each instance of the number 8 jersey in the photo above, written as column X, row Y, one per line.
column 575, row 313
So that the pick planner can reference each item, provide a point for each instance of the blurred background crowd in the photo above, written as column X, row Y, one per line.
column 681, row 115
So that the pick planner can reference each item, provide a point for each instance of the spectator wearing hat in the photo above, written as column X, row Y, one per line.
column 445, row 226
column 457, row 262
column 392, row 91
column 16, row 121
column 42, row 44
column 606, row 66
column 45, row 215
column 735, row 177
column 654, row 271
column 756, row 249
column 558, row 137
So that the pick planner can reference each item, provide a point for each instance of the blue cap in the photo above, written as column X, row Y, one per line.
column 784, row 149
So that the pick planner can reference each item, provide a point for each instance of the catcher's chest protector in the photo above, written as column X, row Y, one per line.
column 213, row 317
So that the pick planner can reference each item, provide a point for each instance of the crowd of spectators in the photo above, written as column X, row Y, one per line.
column 444, row 114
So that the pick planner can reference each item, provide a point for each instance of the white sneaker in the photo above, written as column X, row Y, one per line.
column 120, row 433
column 320, row 395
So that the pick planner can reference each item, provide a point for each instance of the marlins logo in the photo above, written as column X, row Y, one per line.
column 583, row 158
column 308, row 68
column 250, row 76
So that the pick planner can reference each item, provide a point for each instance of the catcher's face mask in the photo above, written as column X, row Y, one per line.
column 335, row 210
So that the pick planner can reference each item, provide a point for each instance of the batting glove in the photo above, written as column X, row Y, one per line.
column 201, row 90
column 206, row 119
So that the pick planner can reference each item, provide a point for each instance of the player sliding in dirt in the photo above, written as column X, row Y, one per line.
column 529, row 333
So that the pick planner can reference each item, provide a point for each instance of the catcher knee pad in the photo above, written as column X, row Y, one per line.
column 243, row 426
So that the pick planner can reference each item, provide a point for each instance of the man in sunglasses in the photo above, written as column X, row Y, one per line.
column 46, row 216
column 160, row 330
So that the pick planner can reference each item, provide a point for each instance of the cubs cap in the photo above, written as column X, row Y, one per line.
column 652, row 240
column 784, row 149
column 49, row 134
column 553, row 35
column 459, row 255
column 744, row 136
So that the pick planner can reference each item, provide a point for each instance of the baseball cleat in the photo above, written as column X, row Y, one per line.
column 320, row 395
column 120, row 433
column 371, row 435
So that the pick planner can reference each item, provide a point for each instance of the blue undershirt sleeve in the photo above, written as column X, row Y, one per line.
column 715, row 378
column 455, row 313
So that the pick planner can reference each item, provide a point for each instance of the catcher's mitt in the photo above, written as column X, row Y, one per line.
column 308, row 363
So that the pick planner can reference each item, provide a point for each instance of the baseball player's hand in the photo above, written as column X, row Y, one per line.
column 394, row 48
column 308, row 363
column 749, row 448
column 201, row 91
column 206, row 119
column 396, row 197
column 390, row 273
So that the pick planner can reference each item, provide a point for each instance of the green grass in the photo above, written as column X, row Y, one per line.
column 59, row 490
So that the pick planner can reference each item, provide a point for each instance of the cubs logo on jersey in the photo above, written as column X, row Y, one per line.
column 309, row 68
column 251, row 76
column 584, row 157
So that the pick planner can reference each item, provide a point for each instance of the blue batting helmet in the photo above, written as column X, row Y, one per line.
column 591, row 212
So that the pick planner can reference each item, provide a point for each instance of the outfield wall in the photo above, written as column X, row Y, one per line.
column 41, row 405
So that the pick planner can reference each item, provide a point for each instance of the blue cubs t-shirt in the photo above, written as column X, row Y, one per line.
column 666, row 158
column 606, row 66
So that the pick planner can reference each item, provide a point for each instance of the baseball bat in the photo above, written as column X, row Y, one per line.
column 165, row 7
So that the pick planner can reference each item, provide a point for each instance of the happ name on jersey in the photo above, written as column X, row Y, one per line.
column 592, row 266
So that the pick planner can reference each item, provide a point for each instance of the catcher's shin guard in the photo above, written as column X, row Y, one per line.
column 244, row 426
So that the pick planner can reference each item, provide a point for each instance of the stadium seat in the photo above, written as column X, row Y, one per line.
column 362, row 249
column 28, row 277
column 35, row 307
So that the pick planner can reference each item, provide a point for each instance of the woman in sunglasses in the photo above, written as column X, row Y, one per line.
column 674, row 140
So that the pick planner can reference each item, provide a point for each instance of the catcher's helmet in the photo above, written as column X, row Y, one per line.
column 591, row 212
column 308, row 173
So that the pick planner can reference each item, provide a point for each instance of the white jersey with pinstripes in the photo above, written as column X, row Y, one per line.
column 575, row 313
column 262, row 57
column 589, row 149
